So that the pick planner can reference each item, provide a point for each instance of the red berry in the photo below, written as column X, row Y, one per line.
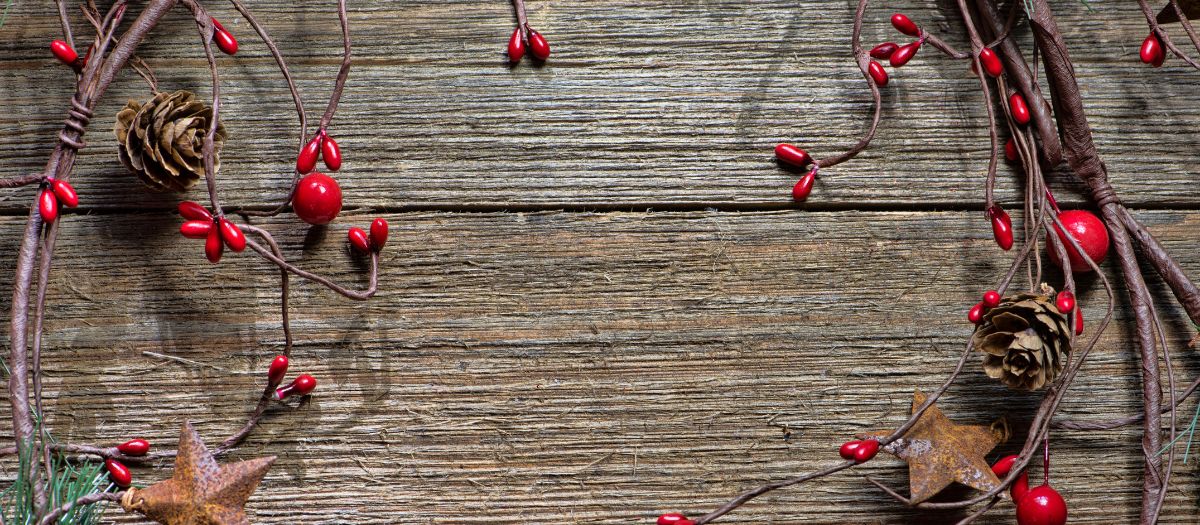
column 318, row 199
column 194, row 212
column 1020, row 487
column 331, row 154
column 804, row 186
column 670, row 518
column 1001, row 227
column 1152, row 51
column 904, row 54
column 1065, row 301
column 48, row 206
column 1002, row 467
column 904, row 25
column 65, row 193
column 1019, row 109
column 875, row 69
column 991, row 299
column 277, row 369
column 866, row 451
column 848, row 448
column 63, row 52
column 516, row 46
column 538, row 46
column 884, row 51
column 118, row 473
column 975, row 314
column 791, row 155
column 358, row 240
column 134, row 447
column 195, row 229
column 213, row 247
column 1078, row 321
column 379, row 233
column 301, row 386
column 1088, row 231
column 307, row 159
column 232, row 235
column 1042, row 506
column 991, row 62
column 1010, row 151
column 225, row 41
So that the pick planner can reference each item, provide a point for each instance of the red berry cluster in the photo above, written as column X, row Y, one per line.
column 1041, row 505
column 363, row 242
column 859, row 450
column 323, row 146
column 897, row 55
column 303, row 385
column 793, row 156
column 53, row 193
column 991, row 299
column 117, row 471
column 217, row 232
column 539, row 48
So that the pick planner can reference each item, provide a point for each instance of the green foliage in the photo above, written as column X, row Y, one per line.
column 4, row 16
column 67, row 482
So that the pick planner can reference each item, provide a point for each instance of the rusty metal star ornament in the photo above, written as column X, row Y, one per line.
column 199, row 492
column 940, row 452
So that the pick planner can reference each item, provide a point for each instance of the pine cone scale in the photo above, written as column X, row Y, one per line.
column 1025, row 341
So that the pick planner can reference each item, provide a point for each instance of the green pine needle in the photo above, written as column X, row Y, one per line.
column 67, row 482
column 1190, row 432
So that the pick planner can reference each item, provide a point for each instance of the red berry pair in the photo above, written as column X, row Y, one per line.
column 991, row 299
column 363, row 243
column 301, row 386
column 861, row 451
column 217, row 232
column 792, row 156
column 673, row 518
column 224, row 39
column 53, row 193
column 1152, row 51
column 539, row 48
column 323, row 146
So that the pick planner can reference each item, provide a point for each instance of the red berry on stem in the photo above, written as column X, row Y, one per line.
column 306, row 161
column 1010, row 151
column 213, row 247
column 331, row 154
column 277, row 369
column 48, row 206
column 195, row 229
column 118, row 473
column 134, row 447
column 224, row 39
column 804, row 186
column 975, row 314
column 847, row 449
column 318, row 199
column 1002, row 467
column 1042, row 506
column 232, row 235
column 991, row 62
column 905, row 25
column 63, row 52
column 670, row 518
column 1089, row 231
column 875, row 69
column 194, row 212
column 65, row 193
column 516, row 46
column 866, row 451
column 1152, row 51
column 1001, row 227
column 379, row 233
column 884, row 51
column 1065, row 301
column 904, row 54
column 1078, row 321
column 792, row 156
column 301, row 386
column 991, row 299
column 1018, row 108
column 538, row 46
column 358, row 240
column 1020, row 487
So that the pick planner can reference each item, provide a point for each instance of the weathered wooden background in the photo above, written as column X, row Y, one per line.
column 598, row 303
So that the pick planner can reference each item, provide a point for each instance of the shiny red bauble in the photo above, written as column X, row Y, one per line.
column 1042, row 506
column 318, row 199
column 1089, row 231
column 538, row 46
column 134, row 447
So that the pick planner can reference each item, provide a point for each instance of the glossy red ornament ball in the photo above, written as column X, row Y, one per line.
column 846, row 451
column 792, row 156
column 878, row 74
column 1065, row 301
column 306, row 161
column 194, row 211
column 195, row 229
column 1089, row 231
column 65, row 193
column 48, row 206
column 804, row 186
column 905, row 25
column 63, row 52
column 277, row 370
column 118, row 472
column 1042, row 506
column 866, row 451
column 1004, row 465
column 904, row 54
column 991, row 299
column 1010, row 151
column 975, row 314
column 213, row 247
column 331, row 154
column 1152, row 51
column 884, row 51
column 358, row 240
column 516, row 46
column 134, row 447
column 224, row 39
column 232, row 235
column 670, row 518
column 379, row 233
column 318, row 199
column 539, row 48
column 1001, row 227
column 1018, row 108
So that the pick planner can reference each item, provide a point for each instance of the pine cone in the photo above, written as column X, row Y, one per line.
column 161, row 141
column 1025, row 341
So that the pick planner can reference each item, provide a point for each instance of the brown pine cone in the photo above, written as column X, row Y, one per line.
column 1025, row 341
column 161, row 141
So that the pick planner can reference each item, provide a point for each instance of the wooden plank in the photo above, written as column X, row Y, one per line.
column 648, row 103
column 574, row 367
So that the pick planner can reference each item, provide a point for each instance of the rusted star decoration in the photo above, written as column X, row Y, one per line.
column 940, row 452
column 199, row 492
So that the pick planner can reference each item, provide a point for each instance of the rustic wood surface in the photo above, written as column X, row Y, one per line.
column 598, row 303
